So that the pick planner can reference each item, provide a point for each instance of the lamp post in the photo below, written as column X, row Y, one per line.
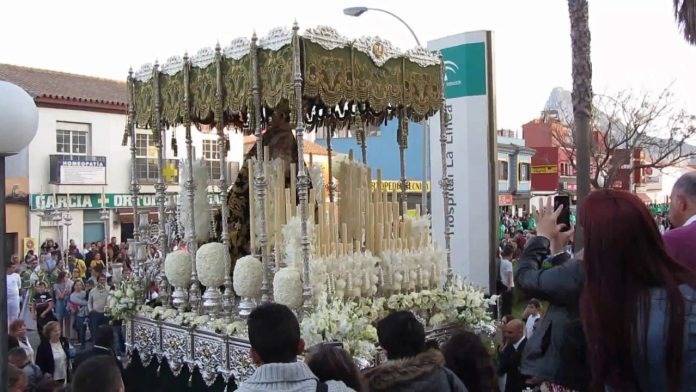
column 357, row 11
column 18, row 124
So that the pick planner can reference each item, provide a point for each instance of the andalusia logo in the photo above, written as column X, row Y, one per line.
column 451, row 68
column 465, row 70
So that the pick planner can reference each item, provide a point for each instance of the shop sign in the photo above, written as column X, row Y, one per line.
column 544, row 169
column 395, row 186
column 111, row 200
column 504, row 200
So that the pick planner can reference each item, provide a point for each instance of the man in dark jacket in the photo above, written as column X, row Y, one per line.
column 511, row 356
column 555, row 353
column 103, row 345
column 410, row 367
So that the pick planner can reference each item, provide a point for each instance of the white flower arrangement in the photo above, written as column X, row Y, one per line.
column 292, row 242
column 177, row 268
column 342, row 321
column 210, row 264
column 420, row 227
column 122, row 303
column 201, row 205
column 287, row 287
column 247, row 278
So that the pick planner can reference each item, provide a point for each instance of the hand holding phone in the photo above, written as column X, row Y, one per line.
column 564, row 217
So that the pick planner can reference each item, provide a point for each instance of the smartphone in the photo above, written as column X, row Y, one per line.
column 564, row 217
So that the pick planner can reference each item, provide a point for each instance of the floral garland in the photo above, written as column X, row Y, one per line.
column 122, row 303
column 192, row 320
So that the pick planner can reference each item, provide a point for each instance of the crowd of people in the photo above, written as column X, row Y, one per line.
column 617, row 315
column 62, row 295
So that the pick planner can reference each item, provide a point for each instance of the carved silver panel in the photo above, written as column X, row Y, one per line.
column 379, row 50
column 203, row 58
column 147, row 340
column 173, row 65
column 240, row 362
column 209, row 353
column 276, row 38
column 423, row 56
column 327, row 37
column 144, row 73
column 176, row 347
column 238, row 48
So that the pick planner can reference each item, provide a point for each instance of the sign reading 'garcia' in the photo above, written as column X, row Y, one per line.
column 111, row 200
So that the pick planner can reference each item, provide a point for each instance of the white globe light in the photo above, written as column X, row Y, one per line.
column 19, row 118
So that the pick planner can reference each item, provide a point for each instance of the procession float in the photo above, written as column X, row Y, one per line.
column 336, row 248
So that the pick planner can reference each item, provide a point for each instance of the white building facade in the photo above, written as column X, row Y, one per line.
column 77, row 156
column 513, row 172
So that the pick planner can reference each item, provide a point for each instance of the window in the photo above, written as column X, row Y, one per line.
column 211, row 155
column 523, row 174
column 502, row 170
column 145, row 157
column 72, row 139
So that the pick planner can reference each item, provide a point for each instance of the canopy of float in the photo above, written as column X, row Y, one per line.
column 365, row 79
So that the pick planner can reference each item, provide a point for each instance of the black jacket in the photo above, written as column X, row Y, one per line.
column 44, row 355
column 509, row 363
column 94, row 352
column 556, row 350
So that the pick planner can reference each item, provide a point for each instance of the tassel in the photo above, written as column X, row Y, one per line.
column 175, row 147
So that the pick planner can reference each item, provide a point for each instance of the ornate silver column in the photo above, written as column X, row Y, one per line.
column 446, row 183
column 190, row 239
column 259, row 175
column 160, row 187
column 135, row 187
column 402, row 136
column 302, row 178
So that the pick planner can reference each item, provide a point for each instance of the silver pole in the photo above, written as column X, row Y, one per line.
column 191, row 242
column 260, row 176
column 135, row 187
column 302, row 179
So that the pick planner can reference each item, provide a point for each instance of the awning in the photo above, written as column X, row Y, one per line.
column 644, row 197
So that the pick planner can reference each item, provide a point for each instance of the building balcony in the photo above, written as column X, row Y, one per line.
column 77, row 170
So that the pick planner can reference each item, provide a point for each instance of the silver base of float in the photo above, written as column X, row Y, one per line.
column 211, row 353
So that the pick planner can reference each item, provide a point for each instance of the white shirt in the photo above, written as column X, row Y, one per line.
column 529, row 327
column 690, row 221
column 518, row 342
column 506, row 273
column 14, row 283
column 60, row 361
column 26, row 345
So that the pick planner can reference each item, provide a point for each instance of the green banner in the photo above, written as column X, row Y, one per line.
column 111, row 200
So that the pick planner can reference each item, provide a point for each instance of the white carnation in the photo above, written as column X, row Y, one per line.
column 247, row 278
column 287, row 287
column 177, row 268
column 210, row 264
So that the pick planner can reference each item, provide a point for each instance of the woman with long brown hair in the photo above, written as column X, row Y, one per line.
column 638, row 305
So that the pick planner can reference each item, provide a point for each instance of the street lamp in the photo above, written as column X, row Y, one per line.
column 357, row 11
column 18, row 124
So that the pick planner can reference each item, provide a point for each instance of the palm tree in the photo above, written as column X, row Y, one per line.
column 582, row 96
column 685, row 13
